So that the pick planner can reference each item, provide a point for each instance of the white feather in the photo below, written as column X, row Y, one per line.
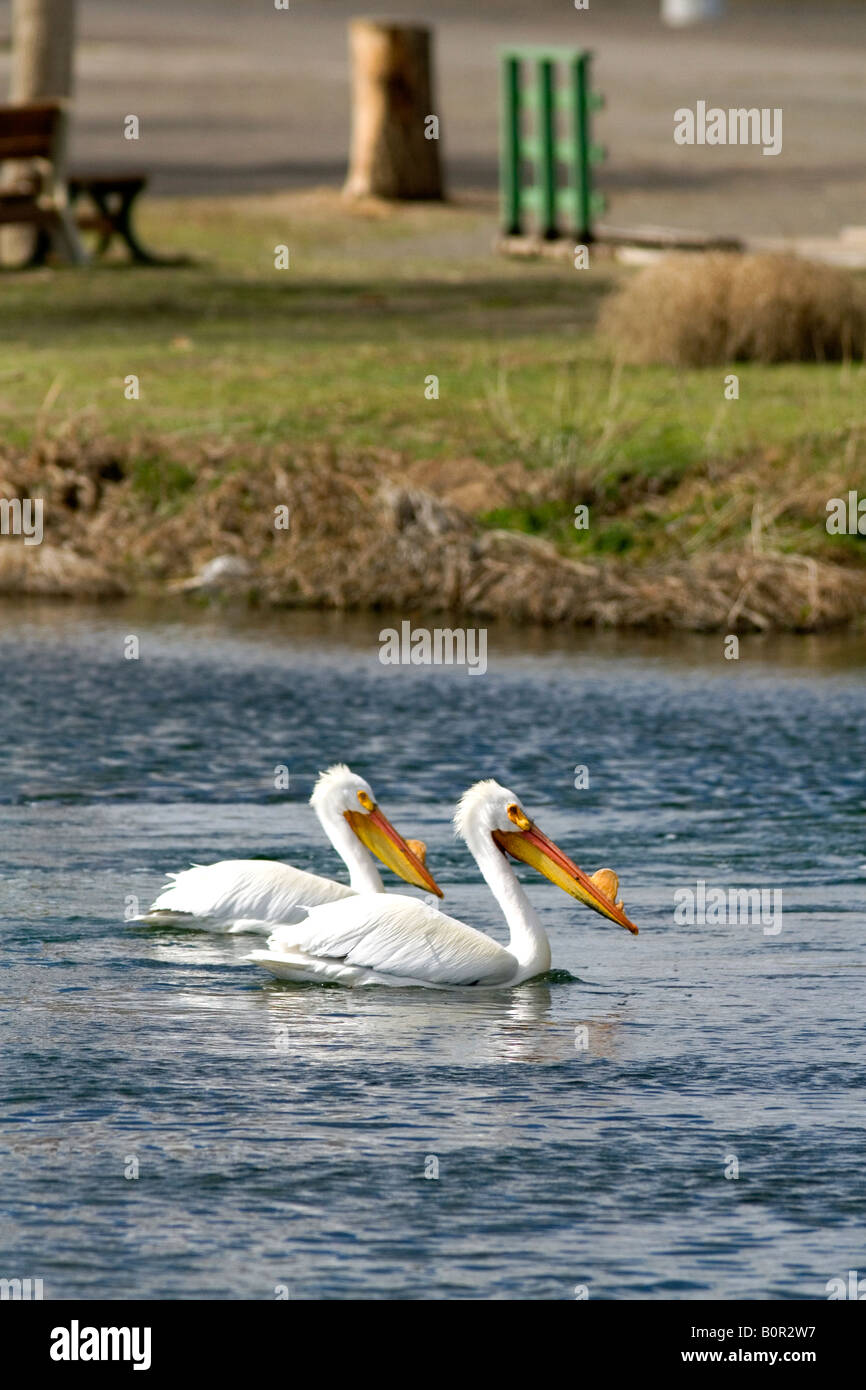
column 246, row 890
column 238, row 895
column 399, row 939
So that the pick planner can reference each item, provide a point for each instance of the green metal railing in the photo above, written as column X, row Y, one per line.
column 549, row 89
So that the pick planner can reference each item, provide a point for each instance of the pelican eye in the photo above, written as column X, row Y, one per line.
column 366, row 800
column 517, row 817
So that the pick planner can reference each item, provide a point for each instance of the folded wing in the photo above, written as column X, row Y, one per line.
column 394, row 935
column 246, row 890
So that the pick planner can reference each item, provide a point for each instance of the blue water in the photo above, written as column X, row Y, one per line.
column 281, row 1134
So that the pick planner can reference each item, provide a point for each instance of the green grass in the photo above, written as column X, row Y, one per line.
column 337, row 348
column 162, row 482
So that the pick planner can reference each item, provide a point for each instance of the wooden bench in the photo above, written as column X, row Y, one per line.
column 34, row 136
column 36, row 195
column 106, row 210
column 111, row 198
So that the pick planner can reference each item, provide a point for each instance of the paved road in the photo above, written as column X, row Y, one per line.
column 235, row 95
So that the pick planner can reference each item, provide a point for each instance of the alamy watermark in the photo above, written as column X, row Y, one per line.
column 22, row 517
column 846, row 516
column 21, row 1289
column 439, row 646
column 737, row 126
column 705, row 905
column 854, row 1288
column 77, row 1343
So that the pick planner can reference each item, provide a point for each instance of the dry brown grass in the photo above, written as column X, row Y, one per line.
column 363, row 535
column 702, row 310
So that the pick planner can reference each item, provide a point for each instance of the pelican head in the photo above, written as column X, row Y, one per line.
column 339, row 792
column 489, row 810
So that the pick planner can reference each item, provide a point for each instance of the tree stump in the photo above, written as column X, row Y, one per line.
column 395, row 145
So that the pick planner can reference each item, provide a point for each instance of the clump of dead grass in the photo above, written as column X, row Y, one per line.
column 693, row 310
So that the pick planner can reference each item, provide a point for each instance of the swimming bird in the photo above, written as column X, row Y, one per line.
column 398, row 940
column 239, row 895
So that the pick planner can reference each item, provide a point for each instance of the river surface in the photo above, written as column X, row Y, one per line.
column 676, row 1115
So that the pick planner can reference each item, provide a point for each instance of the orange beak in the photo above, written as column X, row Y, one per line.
column 375, row 831
column 532, row 846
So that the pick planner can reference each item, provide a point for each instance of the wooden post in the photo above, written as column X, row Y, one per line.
column 43, row 46
column 395, row 128
column 43, row 38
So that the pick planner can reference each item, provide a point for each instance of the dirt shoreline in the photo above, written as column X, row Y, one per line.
column 364, row 533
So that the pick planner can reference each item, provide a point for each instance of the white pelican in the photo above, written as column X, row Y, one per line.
column 239, row 895
column 397, row 940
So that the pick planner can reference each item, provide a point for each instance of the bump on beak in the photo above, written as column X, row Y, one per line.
column 598, row 891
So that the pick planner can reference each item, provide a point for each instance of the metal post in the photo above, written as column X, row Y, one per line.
column 547, row 151
column 529, row 82
column 582, row 172
column 510, row 153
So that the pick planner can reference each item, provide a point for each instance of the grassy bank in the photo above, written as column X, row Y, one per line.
column 242, row 365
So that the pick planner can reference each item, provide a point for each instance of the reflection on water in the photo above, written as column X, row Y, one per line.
column 450, row 1026
column 326, row 635
column 580, row 1124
